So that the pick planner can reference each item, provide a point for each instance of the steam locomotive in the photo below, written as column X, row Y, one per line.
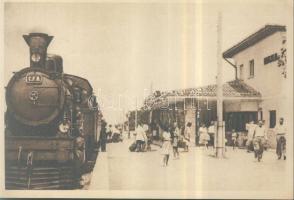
column 52, row 123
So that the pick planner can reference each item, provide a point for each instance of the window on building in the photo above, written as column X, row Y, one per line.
column 251, row 68
column 272, row 119
column 241, row 72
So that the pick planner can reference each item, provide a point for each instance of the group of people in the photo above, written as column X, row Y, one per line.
column 114, row 133
column 143, row 138
column 172, row 139
column 108, row 134
column 257, row 138
column 207, row 135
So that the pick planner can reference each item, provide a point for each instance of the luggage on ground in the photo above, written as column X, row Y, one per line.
column 133, row 147
column 116, row 138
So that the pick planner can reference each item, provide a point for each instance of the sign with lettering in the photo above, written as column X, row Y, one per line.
column 271, row 58
column 33, row 79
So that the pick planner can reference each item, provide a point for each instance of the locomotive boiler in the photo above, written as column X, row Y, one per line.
column 52, row 123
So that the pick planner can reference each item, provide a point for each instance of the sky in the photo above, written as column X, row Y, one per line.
column 128, row 49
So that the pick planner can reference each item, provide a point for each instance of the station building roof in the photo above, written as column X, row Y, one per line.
column 262, row 33
column 235, row 89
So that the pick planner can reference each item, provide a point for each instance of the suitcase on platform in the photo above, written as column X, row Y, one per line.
column 182, row 144
column 133, row 147
column 116, row 138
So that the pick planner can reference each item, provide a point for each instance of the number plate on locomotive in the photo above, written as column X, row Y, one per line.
column 34, row 79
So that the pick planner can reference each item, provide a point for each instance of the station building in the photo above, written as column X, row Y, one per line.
column 256, row 93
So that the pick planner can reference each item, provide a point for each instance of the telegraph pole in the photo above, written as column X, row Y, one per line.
column 220, row 142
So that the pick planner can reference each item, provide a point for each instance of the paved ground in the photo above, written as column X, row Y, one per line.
column 195, row 170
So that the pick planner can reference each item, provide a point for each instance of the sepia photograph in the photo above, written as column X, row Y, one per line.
column 147, row 99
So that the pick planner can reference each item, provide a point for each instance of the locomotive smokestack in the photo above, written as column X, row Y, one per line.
column 38, row 43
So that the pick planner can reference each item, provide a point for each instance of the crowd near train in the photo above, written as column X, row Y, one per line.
column 54, row 127
column 52, row 123
column 171, row 133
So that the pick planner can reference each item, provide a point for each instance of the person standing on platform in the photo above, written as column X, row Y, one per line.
column 146, row 143
column 166, row 145
column 187, row 135
column 175, row 139
column 153, row 127
column 204, row 137
column 259, row 139
column 250, row 128
column 109, row 133
column 234, row 138
column 148, row 133
column 280, row 131
column 140, row 137
column 103, row 136
column 211, row 133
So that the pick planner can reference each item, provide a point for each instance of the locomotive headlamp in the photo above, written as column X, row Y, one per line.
column 36, row 57
column 38, row 43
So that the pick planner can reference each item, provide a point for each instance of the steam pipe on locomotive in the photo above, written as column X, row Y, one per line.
column 51, row 115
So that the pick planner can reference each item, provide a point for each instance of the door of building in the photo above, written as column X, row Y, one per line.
column 238, row 120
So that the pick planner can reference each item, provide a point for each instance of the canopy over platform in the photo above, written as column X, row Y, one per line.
column 235, row 89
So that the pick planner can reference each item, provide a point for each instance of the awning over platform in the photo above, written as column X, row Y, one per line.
column 233, row 90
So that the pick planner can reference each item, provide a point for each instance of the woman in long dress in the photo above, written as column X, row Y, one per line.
column 175, row 139
column 187, row 135
column 166, row 148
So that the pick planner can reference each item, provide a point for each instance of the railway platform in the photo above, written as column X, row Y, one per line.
column 194, row 170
